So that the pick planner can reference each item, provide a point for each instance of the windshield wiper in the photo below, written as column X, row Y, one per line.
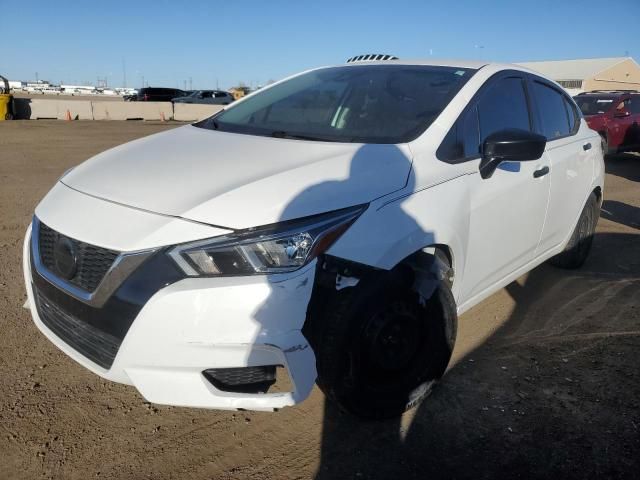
column 295, row 136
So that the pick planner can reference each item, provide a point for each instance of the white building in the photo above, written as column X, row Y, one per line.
column 78, row 89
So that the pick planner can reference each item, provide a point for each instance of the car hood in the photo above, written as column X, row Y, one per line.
column 240, row 181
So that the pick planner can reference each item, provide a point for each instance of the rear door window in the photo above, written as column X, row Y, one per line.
column 552, row 110
column 574, row 119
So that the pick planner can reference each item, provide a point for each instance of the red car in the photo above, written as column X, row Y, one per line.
column 615, row 115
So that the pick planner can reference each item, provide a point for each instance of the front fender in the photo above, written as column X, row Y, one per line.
column 393, row 229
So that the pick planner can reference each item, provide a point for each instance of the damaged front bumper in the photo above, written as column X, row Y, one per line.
column 199, row 324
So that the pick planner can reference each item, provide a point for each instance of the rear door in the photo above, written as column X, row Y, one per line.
column 570, row 155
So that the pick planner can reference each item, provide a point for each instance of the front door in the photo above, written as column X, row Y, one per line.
column 508, row 209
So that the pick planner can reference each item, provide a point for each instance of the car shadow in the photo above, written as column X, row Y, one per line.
column 363, row 172
column 625, row 165
column 621, row 213
column 552, row 393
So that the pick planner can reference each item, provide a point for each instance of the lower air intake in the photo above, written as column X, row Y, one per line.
column 98, row 346
column 243, row 379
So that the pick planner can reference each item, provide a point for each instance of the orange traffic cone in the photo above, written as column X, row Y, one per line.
column 67, row 117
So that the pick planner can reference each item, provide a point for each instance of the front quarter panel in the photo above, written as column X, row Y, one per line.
column 392, row 229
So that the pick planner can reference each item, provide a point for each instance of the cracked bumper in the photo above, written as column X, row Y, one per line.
column 202, row 323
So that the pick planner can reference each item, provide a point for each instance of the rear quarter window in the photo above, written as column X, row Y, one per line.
column 634, row 105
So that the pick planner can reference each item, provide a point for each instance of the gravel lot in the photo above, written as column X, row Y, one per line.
column 545, row 381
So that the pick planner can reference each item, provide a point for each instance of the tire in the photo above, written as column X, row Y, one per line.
column 380, row 348
column 577, row 250
column 604, row 141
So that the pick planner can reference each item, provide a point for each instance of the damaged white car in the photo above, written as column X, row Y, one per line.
column 329, row 228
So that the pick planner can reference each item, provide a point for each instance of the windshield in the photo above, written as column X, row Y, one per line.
column 593, row 105
column 358, row 103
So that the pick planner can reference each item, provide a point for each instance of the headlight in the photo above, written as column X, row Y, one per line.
column 277, row 248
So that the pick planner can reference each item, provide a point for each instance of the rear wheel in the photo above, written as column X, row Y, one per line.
column 577, row 250
column 380, row 347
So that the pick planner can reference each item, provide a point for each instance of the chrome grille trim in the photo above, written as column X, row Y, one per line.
column 92, row 262
column 123, row 265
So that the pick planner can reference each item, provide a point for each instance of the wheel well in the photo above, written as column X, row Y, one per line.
column 436, row 258
column 598, row 192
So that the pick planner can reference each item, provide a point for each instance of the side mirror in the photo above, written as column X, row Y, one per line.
column 512, row 144
column 621, row 114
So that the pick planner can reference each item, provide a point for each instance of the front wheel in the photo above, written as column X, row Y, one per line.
column 579, row 246
column 380, row 347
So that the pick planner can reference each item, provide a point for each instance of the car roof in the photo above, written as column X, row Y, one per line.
column 455, row 63
column 159, row 88
column 473, row 64
column 608, row 93
column 598, row 95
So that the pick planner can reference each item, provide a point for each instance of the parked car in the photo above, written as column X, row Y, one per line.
column 209, row 97
column 329, row 228
column 615, row 115
column 155, row 94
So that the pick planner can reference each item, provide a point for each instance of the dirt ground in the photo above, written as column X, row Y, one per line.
column 545, row 381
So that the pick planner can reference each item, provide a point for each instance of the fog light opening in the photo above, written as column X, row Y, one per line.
column 251, row 380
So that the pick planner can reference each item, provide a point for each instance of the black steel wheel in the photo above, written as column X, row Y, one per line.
column 380, row 347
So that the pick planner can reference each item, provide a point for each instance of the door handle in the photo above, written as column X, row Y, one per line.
column 541, row 173
column 586, row 146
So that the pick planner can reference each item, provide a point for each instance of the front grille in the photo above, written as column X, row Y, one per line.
column 92, row 262
column 98, row 346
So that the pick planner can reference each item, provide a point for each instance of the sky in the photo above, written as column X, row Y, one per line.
column 204, row 44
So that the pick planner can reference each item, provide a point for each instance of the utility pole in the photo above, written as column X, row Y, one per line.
column 185, row 84
column 190, row 83
column 142, row 81
column 36, row 77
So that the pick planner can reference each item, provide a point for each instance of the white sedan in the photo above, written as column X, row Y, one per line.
column 328, row 228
